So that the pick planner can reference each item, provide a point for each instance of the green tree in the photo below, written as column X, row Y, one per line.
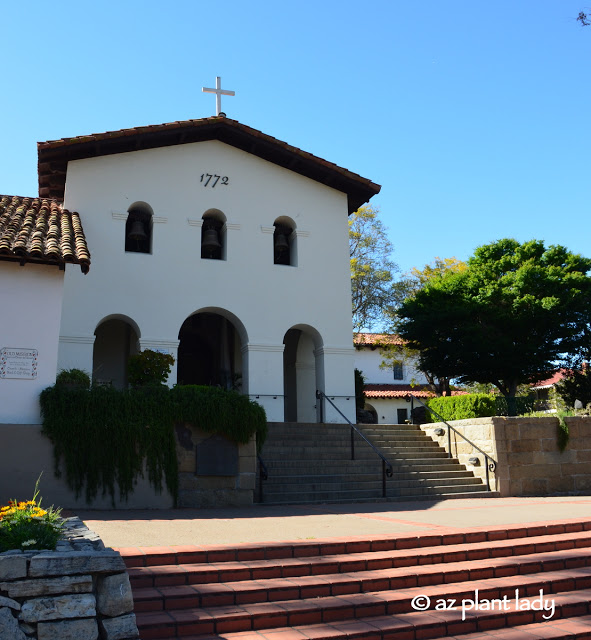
column 373, row 289
column 576, row 385
column 408, row 286
column 517, row 312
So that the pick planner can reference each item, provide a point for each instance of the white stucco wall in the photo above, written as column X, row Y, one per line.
column 368, row 361
column 31, row 300
column 159, row 291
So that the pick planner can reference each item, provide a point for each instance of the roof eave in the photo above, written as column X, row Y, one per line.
column 53, row 156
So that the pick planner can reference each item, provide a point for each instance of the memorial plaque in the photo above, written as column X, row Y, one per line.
column 19, row 364
column 217, row 456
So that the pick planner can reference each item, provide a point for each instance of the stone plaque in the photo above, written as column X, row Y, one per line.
column 18, row 363
column 217, row 456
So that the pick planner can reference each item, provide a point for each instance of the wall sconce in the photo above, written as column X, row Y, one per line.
column 475, row 462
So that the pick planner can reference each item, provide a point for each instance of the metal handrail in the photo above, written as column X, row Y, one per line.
column 263, row 475
column 386, row 466
column 492, row 465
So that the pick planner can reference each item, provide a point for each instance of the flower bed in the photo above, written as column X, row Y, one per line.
column 73, row 588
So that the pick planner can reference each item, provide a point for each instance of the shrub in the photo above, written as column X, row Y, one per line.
column 359, row 389
column 73, row 378
column 149, row 368
column 25, row 525
column 475, row 405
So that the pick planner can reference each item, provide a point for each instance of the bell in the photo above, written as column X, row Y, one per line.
column 281, row 244
column 137, row 231
column 210, row 242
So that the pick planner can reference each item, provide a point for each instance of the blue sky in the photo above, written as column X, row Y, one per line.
column 472, row 115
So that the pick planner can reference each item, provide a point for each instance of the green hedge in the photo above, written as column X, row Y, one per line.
column 105, row 437
column 475, row 405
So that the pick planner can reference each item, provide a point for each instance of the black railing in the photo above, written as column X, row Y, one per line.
column 490, row 462
column 386, row 466
column 263, row 475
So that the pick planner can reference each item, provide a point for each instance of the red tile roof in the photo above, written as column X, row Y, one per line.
column 402, row 391
column 41, row 231
column 376, row 339
column 54, row 155
column 557, row 376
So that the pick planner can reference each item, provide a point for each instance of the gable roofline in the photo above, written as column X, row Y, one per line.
column 54, row 155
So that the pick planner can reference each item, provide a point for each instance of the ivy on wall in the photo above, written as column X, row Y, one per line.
column 106, row 437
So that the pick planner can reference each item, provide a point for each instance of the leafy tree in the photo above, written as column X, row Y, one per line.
column 517, row 312
column 576, row 385
column 372, row 270
column 409, row 286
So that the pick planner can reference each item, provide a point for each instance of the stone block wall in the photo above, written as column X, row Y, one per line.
column 80, row 591
column 198, row 490
column 529, row 462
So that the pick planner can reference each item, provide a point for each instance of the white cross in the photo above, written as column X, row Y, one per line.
column 219, row 92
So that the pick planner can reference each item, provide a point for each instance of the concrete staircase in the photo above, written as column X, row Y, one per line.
column 311, row 463
column 530, row 581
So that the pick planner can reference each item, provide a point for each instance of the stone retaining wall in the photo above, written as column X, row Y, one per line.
column 529, row 462
column 80, row 591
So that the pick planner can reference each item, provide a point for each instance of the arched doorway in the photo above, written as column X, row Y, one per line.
column 210, row 352
column 302, row 374
column 117, row 338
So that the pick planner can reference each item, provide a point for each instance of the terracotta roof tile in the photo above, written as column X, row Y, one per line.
column 557, row 376
column 402, row 391
column 376, row 339
column 41, row 230
column 53, row 155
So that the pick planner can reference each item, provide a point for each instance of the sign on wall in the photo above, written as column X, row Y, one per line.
column 18, row 363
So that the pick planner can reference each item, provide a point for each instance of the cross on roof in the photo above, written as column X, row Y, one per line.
column 219, row 92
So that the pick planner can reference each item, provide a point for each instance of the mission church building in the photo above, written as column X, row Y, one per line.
column 208, row 240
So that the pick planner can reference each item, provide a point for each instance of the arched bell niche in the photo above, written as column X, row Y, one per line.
column 284, row 242
column 138, row 228
column 213, row 235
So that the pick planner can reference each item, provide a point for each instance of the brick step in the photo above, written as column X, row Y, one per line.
column 361, row 588
column 216, row 571
column 546, row 566
column 363, row 610
column 567, row 530
column 292, row 612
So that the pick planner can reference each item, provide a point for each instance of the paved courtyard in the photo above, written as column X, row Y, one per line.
column 260, row 523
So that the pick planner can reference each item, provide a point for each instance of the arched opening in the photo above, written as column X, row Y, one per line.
column 210, row 352
column 138, row 228
column 284, row 242
column 116, row 339
column 213, row 235
column 371, row 415
column 302, row 374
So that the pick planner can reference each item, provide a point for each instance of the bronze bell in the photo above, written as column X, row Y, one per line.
column 281, row 245
column 137, row 231
column 210, row 242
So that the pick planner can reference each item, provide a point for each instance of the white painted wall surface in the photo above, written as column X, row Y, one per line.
column 368, row 361
column 31, row 302
column 159, row 291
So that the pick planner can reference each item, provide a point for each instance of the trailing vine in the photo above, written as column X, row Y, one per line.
column 562, row 434
column 106, row 438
